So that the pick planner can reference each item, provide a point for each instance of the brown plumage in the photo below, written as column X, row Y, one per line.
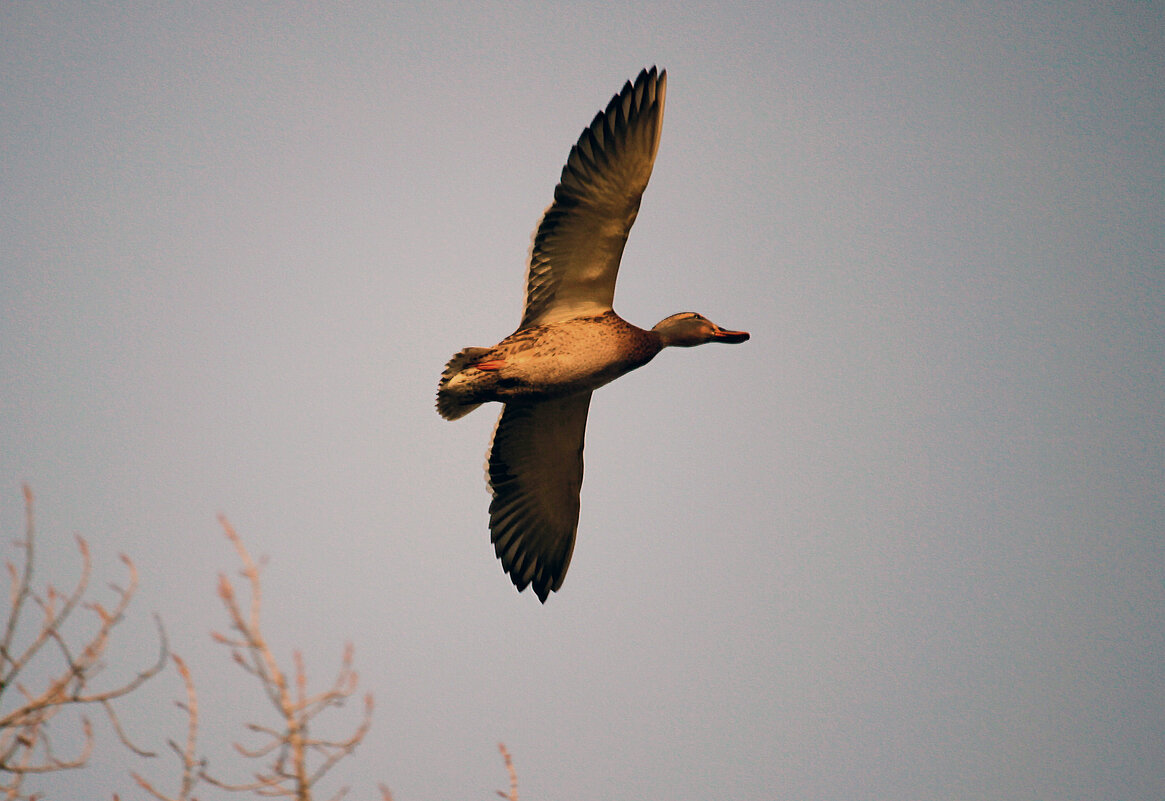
column 570, row 341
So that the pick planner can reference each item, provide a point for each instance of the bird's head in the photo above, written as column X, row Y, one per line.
column 688, row 329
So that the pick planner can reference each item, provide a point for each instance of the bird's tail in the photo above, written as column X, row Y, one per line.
column 452, row 400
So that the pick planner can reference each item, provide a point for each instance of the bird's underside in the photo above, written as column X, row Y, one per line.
column 569, row 341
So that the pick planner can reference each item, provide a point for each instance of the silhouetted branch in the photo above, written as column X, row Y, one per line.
column 26, row 746
column 513, row 794
column 192, row 766
column 293, row 761
column 288, row 745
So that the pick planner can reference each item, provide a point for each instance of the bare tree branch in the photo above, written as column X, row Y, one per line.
column 513, row 794
column 192, row 765
column 21, row 584
column 295, row 761
column 26, row 745
column 292, row 760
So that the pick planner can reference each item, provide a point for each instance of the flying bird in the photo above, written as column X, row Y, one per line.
column 570, row 341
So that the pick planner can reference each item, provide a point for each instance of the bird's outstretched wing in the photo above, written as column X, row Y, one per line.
column 535, row 472
column 574, row 260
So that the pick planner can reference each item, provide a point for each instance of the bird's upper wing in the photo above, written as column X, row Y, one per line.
column 574, row 260
column 535, row 473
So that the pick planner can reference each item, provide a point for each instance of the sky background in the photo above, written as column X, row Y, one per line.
column 906, row 543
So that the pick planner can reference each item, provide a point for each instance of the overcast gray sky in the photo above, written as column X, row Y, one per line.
column 906, row 543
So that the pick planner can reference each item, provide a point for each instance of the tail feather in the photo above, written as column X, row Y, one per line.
column 450, row 403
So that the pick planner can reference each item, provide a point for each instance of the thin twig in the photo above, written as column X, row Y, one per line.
column 295, row 761
column 26, row 746
column 22, row 587
column 513, row 794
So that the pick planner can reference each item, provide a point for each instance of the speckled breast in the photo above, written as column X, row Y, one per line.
column 573, row 356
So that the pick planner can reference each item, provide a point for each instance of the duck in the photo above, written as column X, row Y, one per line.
column 570, row 341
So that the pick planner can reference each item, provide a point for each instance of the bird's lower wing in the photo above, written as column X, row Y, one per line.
column 535, row 473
